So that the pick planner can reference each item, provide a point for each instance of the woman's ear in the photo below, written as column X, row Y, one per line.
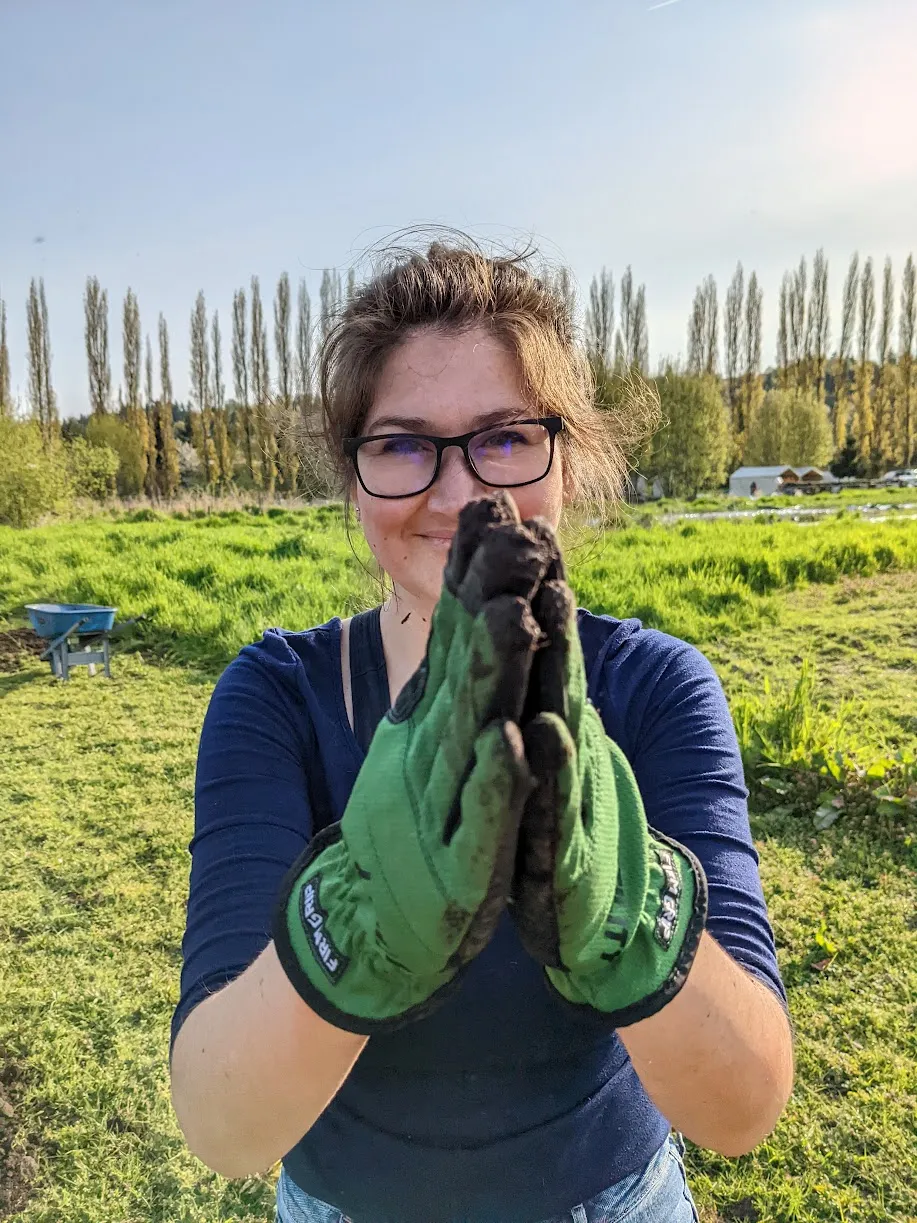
column 568, row 485
column 352, row 497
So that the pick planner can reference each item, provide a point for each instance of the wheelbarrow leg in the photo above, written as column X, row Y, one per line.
column 77, row 624
column 105, row 665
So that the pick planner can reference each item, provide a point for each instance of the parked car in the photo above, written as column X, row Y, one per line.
column 905, row 477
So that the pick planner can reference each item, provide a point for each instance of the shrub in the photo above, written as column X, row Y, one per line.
column 111, row 431
column 789, row 428
column 33, row 480
column 93, row 469
column 690, row 451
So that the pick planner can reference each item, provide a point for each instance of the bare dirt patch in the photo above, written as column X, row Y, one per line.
column 18, row 1165
column 17, row 645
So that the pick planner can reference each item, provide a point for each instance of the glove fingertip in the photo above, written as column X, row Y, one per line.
column 553, row 606
column 544, row 532
column 504, row 739
column 508, row 560
column 549, row 746
column 554, row 609
column 474, row 520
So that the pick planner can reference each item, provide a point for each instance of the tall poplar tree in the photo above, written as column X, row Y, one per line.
column 752, row 388
column 222, row 445
column 842, row 398
column 134, row 412
column 304, row 349
column 797, row 373
column 907, row 334
column 41, row 391
column 733, row 343
column 201, row 417
column 783, row 331
column 640, row 340
column 819, row 323
column 95, row 308
column 6, row 396
column 260, row 383
column 863, row 422
column 240, row 372
column 703, row 329
column 600, row 314
column 885, row 404
column 287, row 456
column 562, row 287
column 624, row 342
column 168, row 473
column 148, row 377
column 327, row 302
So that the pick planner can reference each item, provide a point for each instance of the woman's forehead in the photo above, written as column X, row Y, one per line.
column 438, row 377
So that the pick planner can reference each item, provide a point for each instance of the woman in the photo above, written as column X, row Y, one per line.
column 363, row 1002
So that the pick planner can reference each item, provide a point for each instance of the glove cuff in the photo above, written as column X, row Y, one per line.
column 608, row 983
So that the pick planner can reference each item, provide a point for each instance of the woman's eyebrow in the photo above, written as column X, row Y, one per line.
column 417, row 424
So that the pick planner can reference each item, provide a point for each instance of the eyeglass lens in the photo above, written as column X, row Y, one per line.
column 505, row 455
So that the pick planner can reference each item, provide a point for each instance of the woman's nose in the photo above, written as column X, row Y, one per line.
column 456, row 483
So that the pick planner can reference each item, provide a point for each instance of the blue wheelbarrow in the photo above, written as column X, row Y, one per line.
column 89, row 623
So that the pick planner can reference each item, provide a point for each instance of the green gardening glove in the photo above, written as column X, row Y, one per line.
column 383, row 910
column 611, row 907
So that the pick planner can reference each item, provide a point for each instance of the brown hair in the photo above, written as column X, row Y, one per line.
column 457, row 286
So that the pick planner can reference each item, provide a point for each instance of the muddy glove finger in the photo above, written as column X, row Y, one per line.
column 474, row 520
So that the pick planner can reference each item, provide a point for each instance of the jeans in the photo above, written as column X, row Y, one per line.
column 658, row 1193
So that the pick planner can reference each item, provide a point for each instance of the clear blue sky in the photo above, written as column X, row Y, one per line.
column 176, row 146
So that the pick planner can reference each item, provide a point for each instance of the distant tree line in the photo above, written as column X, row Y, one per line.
column 853, row 406
column 147, row 442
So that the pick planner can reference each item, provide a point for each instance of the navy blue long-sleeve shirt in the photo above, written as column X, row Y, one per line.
column 502, row 1103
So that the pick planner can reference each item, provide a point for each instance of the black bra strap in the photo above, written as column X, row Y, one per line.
column 368, row 675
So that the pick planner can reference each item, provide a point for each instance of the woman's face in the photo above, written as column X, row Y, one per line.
column 444, row 384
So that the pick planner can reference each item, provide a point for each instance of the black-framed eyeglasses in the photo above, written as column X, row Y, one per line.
column 507, row 455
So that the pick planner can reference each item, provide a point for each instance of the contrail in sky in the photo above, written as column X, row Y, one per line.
column 661, row 4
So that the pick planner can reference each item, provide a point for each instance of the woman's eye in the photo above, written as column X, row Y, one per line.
column 504, row 439
column 402, row 445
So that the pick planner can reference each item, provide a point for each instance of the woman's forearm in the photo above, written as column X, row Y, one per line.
column 253, row 1068
column 717, row 1061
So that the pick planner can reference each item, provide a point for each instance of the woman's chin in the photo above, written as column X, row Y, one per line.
column 421, row 579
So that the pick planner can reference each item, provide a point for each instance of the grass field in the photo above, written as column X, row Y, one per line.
column 814, row 632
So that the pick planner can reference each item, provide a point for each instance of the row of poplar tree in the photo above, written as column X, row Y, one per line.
column 256, row 435
column 857, row 404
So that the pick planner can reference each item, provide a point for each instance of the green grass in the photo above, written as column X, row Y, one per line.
column 97, row 791
column 208, row 584
column 212, row 584
column 96, row 787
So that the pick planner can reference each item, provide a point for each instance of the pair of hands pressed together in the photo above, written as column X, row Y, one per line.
column 490, row 782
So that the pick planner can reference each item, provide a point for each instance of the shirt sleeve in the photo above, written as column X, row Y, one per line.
column 678, row 733
column 252, row 818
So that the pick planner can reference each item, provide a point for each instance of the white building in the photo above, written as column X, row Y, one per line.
column 754, row 481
